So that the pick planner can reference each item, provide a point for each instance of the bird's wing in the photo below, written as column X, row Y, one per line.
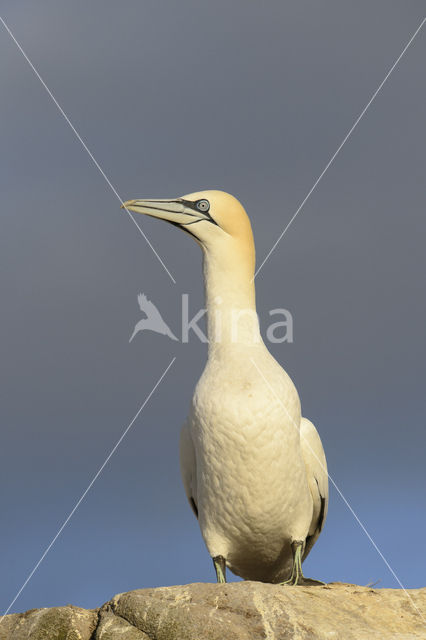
column 316, row 469
column 188, row 467
column 149, row 308
column 142, row 299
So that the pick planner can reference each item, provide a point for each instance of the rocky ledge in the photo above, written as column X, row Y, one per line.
column 234, row 611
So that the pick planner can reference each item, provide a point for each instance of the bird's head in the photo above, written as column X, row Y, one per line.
column 216, row 220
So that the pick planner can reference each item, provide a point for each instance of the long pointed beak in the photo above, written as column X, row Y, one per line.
column 170, row 210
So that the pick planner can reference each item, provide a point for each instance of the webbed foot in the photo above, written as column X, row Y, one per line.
column 220, row 568
column 297, row 577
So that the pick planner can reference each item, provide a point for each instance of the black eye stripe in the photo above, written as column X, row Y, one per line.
column 190, row 204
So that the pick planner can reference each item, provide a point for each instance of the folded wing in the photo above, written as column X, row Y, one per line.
column 316, row 469
column 188, row 467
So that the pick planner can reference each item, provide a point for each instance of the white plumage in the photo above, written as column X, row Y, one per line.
column 253, row 469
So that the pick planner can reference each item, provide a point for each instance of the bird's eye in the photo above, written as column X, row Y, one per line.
column 203, row 205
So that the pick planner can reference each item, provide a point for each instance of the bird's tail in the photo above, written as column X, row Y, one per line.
column 171, row 335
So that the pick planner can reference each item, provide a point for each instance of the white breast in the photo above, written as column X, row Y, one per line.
column 252, row 492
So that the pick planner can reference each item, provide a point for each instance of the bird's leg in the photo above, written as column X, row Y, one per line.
column 297, row 577
column 220, row 568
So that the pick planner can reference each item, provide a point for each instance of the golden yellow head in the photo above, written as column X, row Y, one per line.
column 215, row 219
column 226, row 211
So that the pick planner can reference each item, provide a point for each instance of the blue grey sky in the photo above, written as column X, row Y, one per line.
column 251, row 98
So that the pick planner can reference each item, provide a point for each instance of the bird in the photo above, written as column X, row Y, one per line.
column 253, row 469
column 153, row 320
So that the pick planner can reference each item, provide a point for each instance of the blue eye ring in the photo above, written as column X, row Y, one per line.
column 203, row 205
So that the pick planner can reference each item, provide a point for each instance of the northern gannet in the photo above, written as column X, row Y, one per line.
column 253, row 469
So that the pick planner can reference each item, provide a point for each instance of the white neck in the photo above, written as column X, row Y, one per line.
column 230, row 302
